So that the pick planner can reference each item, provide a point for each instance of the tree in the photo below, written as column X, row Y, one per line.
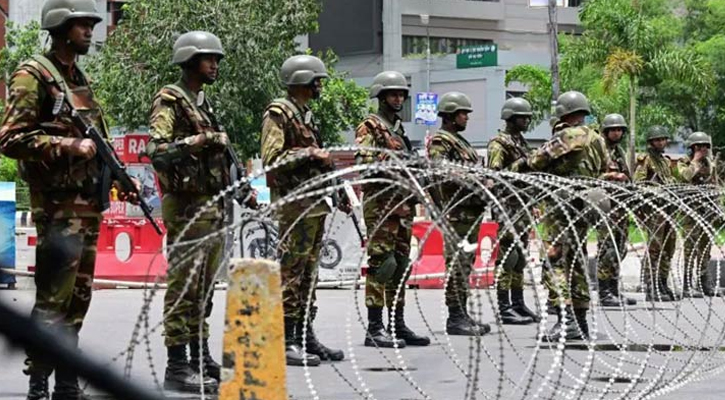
column 257, row 35
column 635, row 41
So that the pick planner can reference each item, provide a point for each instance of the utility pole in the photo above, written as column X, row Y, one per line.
column 554, row 49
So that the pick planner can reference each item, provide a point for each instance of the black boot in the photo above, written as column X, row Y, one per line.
column 402, row 331
column 296, row 356
column 606, row 295
column 688, row 289
column 581, row 319
column 519, row 305
column 66, row 386
column 509, row 316
column 614, row 288
column 313, row 345
column 181, row 377
column 665, row 288
column 376, row 335
column 656, row 295
column 38, row 386
column 570, row 330
column 211, row 368
column 459, row 324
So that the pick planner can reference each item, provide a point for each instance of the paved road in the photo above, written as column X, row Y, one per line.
column 437, row 372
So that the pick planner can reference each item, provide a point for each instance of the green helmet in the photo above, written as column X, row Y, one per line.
column 388, row 80
column 302, row 70
column 453, row 102
column 56, row 13
column 571, row 102
column 194, row 43
column 614, row 121
column 515, row 106
column 657, row 132
column 698, row 138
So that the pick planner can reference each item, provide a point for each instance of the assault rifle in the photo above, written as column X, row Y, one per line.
column 113, row 168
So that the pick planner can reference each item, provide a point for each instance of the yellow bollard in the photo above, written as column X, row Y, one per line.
column 254, row 360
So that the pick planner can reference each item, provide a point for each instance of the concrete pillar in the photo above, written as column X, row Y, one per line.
column 392, row 33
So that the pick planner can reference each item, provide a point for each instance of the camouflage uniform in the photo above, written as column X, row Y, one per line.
column 505, row 152
column 655, row 167
column 390, row 238
column 284, row 132
column 464, row 219
column 697, row 243
column 612, row 246
column 189, row 177
column 65, row 192
column 573, row 151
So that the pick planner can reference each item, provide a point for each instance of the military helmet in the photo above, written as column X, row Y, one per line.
column 388, row 80
column 515, row 106
column 194, row 43
column 614, row 121
column 453, row 102
column 571, row 102
column 657, row 132
column 698, row 138
column 302, row 70
column 56, row 13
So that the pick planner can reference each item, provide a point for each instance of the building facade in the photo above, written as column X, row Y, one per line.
column 376, row 35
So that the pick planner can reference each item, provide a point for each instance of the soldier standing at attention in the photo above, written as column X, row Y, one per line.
column 698, row 168
column 389, row 246
column 509, row 151
column 289, row 131
column 464, row 218
column 656, row 167
column 64, row 176
column 612, row 247
column 574, row 151
column 187, row 149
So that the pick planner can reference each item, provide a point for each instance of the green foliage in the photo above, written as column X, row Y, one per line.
column 8, row 170
column 342, row 105
column 21, row 43
column 257, row 35
column 538, row 80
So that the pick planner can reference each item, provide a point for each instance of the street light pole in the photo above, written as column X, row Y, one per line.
column 554, row 48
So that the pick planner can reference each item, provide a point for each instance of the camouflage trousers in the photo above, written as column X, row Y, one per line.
column 661, row 243
column 511, row 260
column 612, row 246
column 389, row 239
column 697, row 254
column 65, row 263
column 459, row 263
column 299, row 254
column 191, row 276
column 566, row 263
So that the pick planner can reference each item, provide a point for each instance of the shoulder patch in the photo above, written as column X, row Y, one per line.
column 641, row 158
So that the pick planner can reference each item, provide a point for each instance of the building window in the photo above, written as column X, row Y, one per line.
column 417, row 45
column 115, row 11
column 560, row 3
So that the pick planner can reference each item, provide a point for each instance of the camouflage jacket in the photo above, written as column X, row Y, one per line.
column 572, row 151
column 31, row 132
column 288, row 129
column 377, row 132
column 183, row 169
column 654, row 167
column 508, row 151
column 697, row 172
column 451, row 146
column 618, row 159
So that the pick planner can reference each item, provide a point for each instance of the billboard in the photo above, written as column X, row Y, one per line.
column 7, row 230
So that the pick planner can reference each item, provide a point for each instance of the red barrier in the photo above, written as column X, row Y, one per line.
column 431, row 259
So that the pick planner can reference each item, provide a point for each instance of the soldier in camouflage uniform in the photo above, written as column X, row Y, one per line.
column 389, row 246
column 655, row 167
column 187, row 149
column 509, row 151
column 612, row 247
column 574, row 151
column 289, row 131
column 698, row 168
column 465, row 218
column 64, row 176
